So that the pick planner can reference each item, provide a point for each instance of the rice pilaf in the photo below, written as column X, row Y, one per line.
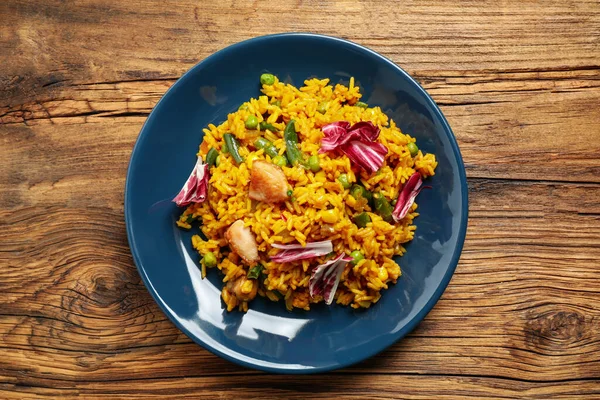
column 323, row 201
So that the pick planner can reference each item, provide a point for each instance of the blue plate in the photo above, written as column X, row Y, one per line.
column 268, row 337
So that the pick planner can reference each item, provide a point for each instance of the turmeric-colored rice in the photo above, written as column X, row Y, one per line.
column 319, row 209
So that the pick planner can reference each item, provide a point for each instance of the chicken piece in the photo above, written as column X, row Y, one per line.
column 267, row 183
column 243, row 288
column 242, row 241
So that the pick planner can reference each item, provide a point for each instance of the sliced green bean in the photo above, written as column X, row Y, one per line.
column 361, row 220
column 383, row 207
column 233, row 147
column 361, row 104
column 268, row 147
column 292, row 151
column 211, row 156
column 264, row 126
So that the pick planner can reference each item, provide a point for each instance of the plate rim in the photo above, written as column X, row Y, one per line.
column 421, row 314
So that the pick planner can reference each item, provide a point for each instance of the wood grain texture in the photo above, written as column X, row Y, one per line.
column 519, row 83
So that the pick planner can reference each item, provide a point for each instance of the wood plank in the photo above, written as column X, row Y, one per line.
column 324, row 386
column 518, row 83
column 498, row 132
column 522, row 305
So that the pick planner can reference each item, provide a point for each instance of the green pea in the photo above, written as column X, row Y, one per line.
column 343, row 179
column 322, row 108
column 251, row 122
column 290, row 192
column 210, row 260
column 277, row 103
column 280, row 161
column 359, row 191
column 267, row 79
column 313, row 164
column 357, row 256
column 412, row 147
column 361, row 104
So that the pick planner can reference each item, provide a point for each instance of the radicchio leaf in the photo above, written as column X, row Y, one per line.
column 357, row 142
column 325, row 279
column 295, row 252
column 195, row 189
column 368, row 156
column 407, row 196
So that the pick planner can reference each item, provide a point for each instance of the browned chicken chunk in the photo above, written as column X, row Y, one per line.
column 242, row 241
column 243, row 288
column 267, row 183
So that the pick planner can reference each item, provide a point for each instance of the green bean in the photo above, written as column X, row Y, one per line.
column 292, row 151
column 361, row 220
column 267, row 126
column 343, row 179
column 224, row 147
column 267, row 79
column 383, row 207
column 211, row 156
column 313, row 163
column 413, row 148
column 255, row 271
column 218, row 161
column 210, row 260
column 357, row 256
column 268, row 147
column 251, row 122
column 233, row 147
column 280, row 161
column 361, row 104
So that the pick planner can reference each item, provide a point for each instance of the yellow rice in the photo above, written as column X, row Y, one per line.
column 305, row 219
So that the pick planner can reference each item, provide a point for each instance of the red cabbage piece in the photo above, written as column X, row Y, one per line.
column 357, row 142
column 407, row 196
column 325, row 279
column 195, row 189
column 295, row 252
column 368, row 156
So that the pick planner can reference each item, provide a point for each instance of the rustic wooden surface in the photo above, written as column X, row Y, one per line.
column 519, row 82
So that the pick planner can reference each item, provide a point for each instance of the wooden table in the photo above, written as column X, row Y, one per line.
column 519, row 82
